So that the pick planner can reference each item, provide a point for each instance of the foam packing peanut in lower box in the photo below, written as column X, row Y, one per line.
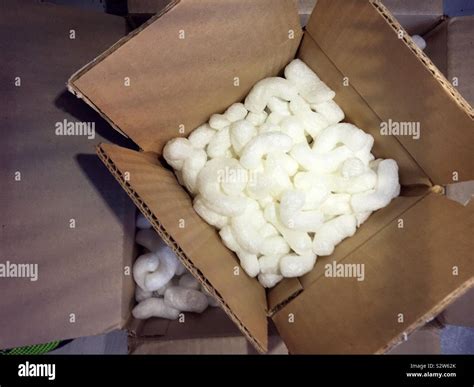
column 164, row 288
column 283, row 179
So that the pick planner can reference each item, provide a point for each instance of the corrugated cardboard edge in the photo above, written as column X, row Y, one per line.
column 430, row 316
column 75, row 91
column 291, row 296
column 174, row 246
column 447, row 86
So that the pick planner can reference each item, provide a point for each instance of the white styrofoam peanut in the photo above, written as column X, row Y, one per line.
column 274, row 245
column 330, row 110
column 142, row 223
column 241, row 132
column 186, row 300
column 309, row 86
column 142, row 294
column 332, row 233
column 293, row 127
column 249, row 263
column 176, row 151
column 294, row 265
column 336, row 204
column 315, row 187
column 220, row 144
column 292, row 215
column 320, row 162
column 154, row 307
column 209, row 186
column 218, row 122
column 269, row 280
column 180, row 269
column 343, row 133
column 299, row 241
column 263, row 144
column 201, row 136
column 269, row 264
column 236, row 112
column 210, row 216
column 353, row 167
column 191, row 168
column 277, row 105
column 161, row 291
column 314, row 123
column 386, row 189
column 189, row 282
column 229, row 240
column 165, row 271
column 282, row 160
column 270, row 180
column 257, row 119
column 267, row 88
column 143, row 266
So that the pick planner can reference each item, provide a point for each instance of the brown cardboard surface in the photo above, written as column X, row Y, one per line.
column 80, row 270
column 203, row 346
column 360, row 113
column 361, row 39
column 156, row 192
column 461, row 54
column 408, row 271
column 437, row 47
column 209, row 333
column 377, row 221
column 283, row 292
column 213, row 323
column 178, row 83
column 450, row 48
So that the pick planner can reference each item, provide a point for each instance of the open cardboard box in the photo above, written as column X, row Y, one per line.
column 378, row 74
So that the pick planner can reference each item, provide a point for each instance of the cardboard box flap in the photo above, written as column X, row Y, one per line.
column 59, row 208
column 410, row 275
column 400, row 84
column 180, row 69
column 157, row 193
column 359, row 113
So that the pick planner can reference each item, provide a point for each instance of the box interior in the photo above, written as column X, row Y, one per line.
column 152, row 109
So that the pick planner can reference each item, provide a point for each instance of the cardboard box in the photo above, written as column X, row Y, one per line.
column 416, row 17
column 449, row 45
column 48, row 180
column 174, row 82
